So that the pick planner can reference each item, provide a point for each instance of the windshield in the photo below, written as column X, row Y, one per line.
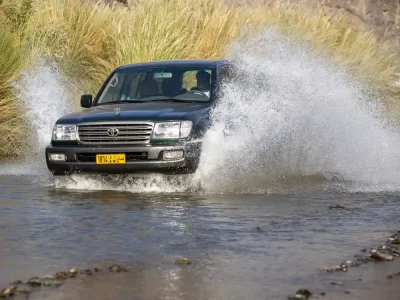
column 158, row 84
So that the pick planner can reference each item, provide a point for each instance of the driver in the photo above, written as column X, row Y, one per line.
column 203, row 82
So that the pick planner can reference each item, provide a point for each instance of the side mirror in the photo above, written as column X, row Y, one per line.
column 86, row 101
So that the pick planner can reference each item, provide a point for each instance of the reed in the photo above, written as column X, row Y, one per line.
column 13, row 137
column 89, row 39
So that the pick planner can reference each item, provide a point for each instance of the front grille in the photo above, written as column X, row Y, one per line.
column 130, row 156
column 127, row 133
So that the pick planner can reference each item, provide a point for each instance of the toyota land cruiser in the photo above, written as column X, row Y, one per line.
column 147, row 117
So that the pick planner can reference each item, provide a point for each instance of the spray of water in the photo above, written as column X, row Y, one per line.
column 42, row 90
column 129, row 183
column 289, row 118
column 44, row 98
column 289, row 115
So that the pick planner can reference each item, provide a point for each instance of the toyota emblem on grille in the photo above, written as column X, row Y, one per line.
column 117, row 111
column 112, row 132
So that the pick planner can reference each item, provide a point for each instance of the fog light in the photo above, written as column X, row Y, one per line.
column 172, row 155
column 57, row 157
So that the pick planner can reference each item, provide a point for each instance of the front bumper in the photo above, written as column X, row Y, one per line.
column 151, row 163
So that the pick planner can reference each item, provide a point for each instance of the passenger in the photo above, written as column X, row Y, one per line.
column 203, row 83
column 148, row 87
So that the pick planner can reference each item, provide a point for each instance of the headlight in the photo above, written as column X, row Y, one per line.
column 64, row 133
column 172, row 130
column 186, row 128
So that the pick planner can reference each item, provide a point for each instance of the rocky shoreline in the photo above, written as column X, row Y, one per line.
column 19, row 287
column 384, row 252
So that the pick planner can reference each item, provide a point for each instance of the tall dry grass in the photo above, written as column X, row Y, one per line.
column 362, row 51
column 89, row 39
column 13, row 138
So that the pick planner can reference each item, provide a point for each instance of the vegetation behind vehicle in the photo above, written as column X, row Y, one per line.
column 88, row 40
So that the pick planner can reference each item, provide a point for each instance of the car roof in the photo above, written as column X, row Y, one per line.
column 201, row 63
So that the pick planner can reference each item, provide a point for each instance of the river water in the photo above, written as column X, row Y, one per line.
column 292, row 136
column 45, row 228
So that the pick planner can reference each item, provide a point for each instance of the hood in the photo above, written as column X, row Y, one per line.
column 150, row 111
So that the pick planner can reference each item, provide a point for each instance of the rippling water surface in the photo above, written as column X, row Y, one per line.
column 45, row 228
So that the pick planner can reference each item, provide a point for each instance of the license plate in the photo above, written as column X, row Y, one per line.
column 110, row 159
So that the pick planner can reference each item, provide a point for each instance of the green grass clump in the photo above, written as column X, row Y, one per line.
column 88, row 39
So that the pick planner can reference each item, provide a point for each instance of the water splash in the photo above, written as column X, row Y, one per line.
column 45, row 98
column 128, row 183
column 43, row 90
column 291, row 114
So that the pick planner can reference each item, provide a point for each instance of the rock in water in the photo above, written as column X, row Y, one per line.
column 183, row 261
column 306, row 293
column 378, row 255
column 337, row 206
column 7, row 292
column 394, row 240
column 73, row 272
column 117, row 269
column 22, row 290
column 87, row 272
column 52, row 283
column 301, row 294
column 35, row 281
column 60, row 276
column 343, row 267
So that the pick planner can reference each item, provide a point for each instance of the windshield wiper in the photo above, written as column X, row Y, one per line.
column 146, row 101
column 122, row 101
column 171, row 100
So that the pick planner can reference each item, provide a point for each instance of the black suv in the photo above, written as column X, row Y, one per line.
column 147, row 117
